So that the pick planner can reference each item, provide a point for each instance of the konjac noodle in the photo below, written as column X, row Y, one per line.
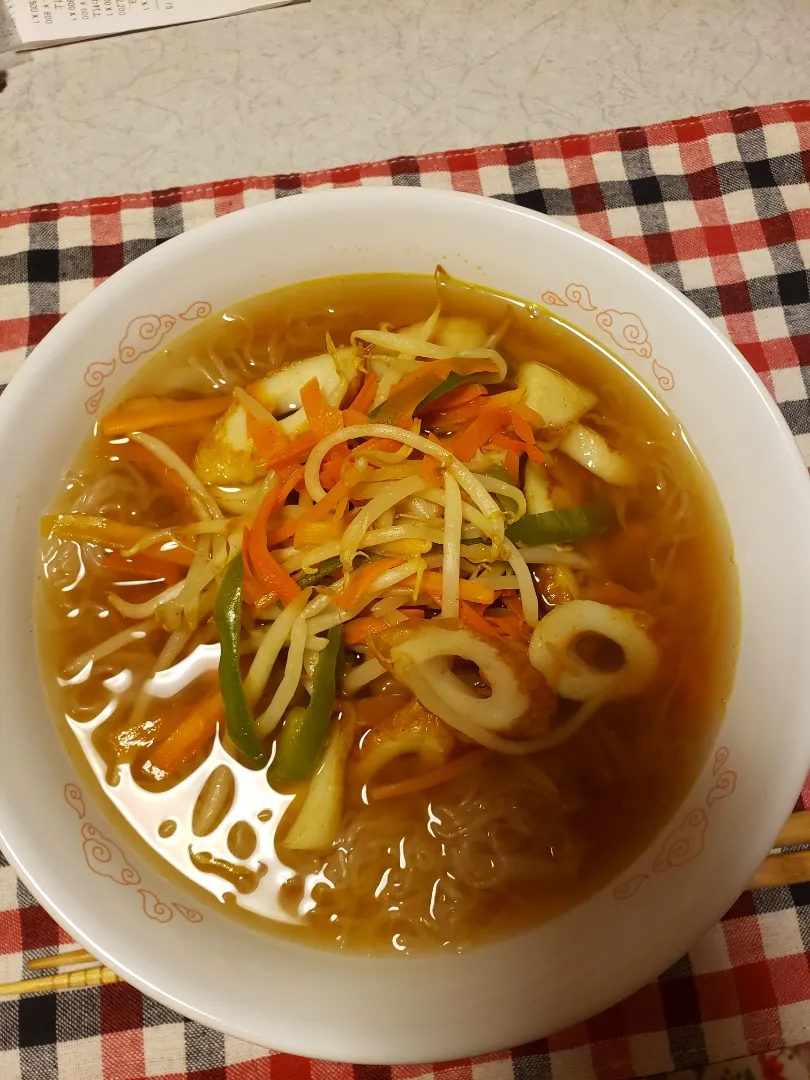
column 390, row 610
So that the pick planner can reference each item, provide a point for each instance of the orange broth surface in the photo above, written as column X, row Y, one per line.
column 509, row 840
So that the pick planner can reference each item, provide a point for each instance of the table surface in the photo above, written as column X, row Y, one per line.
column 338, row 81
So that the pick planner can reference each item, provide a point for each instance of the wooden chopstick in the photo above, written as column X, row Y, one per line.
column 65, row 980
column 787, row 867
column 65, row 959
column 796, row 830
column 97, row 975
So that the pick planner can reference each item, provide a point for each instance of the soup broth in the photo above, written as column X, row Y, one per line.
column 435, row 709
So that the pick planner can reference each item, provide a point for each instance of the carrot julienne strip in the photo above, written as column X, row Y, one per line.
column 323, row 417
column 361, row 581
column 191, row 734
column 269, row 439
column 457, row 767
column 356, row 631
column 365, row 396
column 475, row 620
column 467, row 590
column 162, row 412
column 453, row 399
column 265, row 567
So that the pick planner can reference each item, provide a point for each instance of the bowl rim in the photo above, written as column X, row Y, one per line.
column 794, row 479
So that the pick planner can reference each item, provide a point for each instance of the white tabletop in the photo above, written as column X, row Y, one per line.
column 338, row 81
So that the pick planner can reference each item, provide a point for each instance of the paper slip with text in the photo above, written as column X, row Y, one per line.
column 47, row 22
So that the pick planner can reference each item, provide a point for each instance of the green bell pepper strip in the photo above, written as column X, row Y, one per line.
column 323, row 569
column 563, row 526
column 304, row 732
column 228, row 620
column 319, row 572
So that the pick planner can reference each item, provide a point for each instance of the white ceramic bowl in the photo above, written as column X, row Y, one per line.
column 402, row 1009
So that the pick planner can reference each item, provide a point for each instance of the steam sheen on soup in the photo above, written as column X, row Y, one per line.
column 391, row 611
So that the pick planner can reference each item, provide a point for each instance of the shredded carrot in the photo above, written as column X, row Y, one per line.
column 270, row 573
column 361, row 581
column 190, row 736
column 117, row 535
column 269, row 439
column 411, row 389
column 161, row 412
column 351, row 417
column 453, row 399
column 475, row 620
column 266, row 569
column 467, row 590
column 316, row 512
column 516, row 446
column 462, row 414
column 295, row 451
column 356, row 631
column 332, row 467
column 457, row 767
column 512, row 465
column 507, row 626
column 466, row 442
column 454, row 418
column 387, row 446
column 508, row 399
column 514, row 604
column 253, row 592
column 526, row 413
column 366, row 394
column 146, row 461
column 323, row 417
column 143, row 566
column 522, row 428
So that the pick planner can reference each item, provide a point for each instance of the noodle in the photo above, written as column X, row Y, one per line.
column 149, row 607
column 259, row 673
column 172, row 461
column 467, row 480
column 451, row 569
column 387, row 499
column 528, row 595
column 289, row 683
column 110, row 646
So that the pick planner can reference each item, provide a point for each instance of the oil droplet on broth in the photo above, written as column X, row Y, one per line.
column 241, row 840
column 264, row 815
column 243, row 879
column 167, row 829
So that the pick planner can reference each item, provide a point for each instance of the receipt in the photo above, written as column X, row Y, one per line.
column 9, row 39
column 46, row 22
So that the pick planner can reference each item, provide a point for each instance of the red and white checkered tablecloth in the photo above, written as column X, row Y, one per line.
column 719, row 205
